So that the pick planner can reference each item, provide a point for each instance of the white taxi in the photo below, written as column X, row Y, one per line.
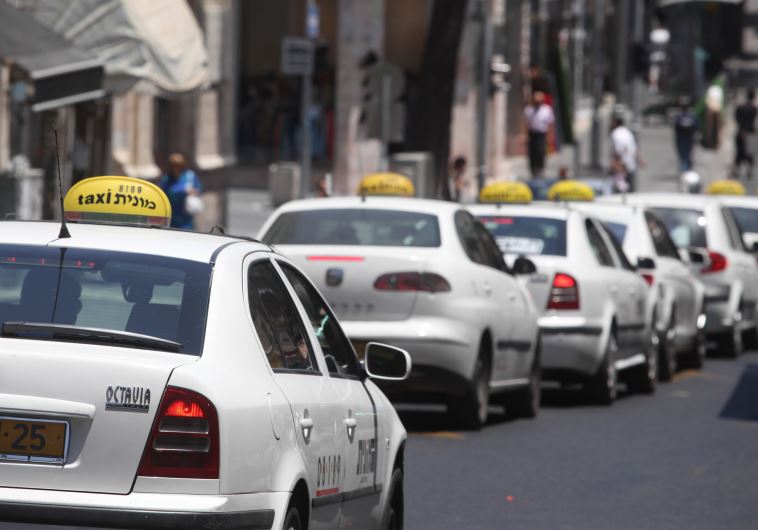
column 596, row 312
column 707, row 229
column 680, row 313
column 155, row 378
column 745, row 212
column 425, row 276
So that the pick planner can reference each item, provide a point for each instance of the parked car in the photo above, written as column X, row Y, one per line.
column 680, row 316
column 425, row 276
column 596, row 312
column 706, row 230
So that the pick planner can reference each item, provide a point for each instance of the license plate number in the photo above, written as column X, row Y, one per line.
column 32, row 440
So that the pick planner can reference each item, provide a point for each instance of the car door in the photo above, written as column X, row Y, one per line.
column 362, row 473
column 634, row 293
column 491, row 289
column 317, row 408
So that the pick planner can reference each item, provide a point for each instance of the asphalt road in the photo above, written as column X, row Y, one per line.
column 686, row 457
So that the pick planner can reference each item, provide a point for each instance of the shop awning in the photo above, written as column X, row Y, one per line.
column 61, row 74
column 156, row 44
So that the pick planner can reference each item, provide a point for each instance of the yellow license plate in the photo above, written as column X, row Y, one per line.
column 360, row 348
column 32, row 440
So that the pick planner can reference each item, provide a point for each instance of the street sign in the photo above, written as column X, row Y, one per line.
column 297, row 56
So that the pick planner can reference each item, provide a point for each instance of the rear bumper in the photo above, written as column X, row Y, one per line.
column 41, row 514
column 146, row 511
column 573, row 344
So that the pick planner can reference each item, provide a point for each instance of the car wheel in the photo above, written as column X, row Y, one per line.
column 603, row 386
column 731, row 344
column 471, row 410
column 644, row 377
column 525, row 403
column 666, row 352
column 696, row 355
column 292, row 519
column 393, row 514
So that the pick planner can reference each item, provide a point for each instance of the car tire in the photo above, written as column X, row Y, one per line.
column 645, row 376
column 525, row 402
column 730, row 344
column 695, row 357
column 471, row 410
column 603, row 386
column 292, row 520
column 666, row 351
column 393, row 514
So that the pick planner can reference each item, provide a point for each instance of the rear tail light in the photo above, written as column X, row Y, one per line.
column 184, row 440
column 412, row 281
column 649, row 278
column 718, row 263
column 564, row 294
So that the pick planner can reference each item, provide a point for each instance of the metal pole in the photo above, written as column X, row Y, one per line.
column 578, row 52
column 305, row 126
column 597, row 78
column 485, row 54
column 386, row 119
column 637, row 84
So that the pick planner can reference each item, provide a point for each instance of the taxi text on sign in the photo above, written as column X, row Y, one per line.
column 393, row 184
column 117, row 199
column 570, row 190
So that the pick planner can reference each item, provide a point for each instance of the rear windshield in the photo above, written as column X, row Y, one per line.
column 686, row 227
column 527, row 235
column 138, row 293
column 617, row 229
column 383, row 228
column 747, row 220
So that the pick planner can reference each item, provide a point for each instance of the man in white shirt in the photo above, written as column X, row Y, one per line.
column 624, row 149
column 539, row 119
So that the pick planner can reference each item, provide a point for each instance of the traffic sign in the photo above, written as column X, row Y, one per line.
column 297, row 56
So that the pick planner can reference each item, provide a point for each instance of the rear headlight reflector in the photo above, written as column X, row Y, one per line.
column 718, row 262
column 564, row 293
column 412, row 281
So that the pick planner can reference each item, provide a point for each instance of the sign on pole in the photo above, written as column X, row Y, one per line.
column 297, row 56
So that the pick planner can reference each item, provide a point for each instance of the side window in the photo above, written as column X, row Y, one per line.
column 601, row 252
column 464, row 226
column 662, row 242
column 493, row 256
column 338, row 352
column 735, row 240
column 618, row 248
column 277, row 321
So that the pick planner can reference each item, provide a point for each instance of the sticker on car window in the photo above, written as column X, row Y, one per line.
column 520, row 245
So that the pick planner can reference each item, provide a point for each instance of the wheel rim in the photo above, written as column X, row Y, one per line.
column 392, row 520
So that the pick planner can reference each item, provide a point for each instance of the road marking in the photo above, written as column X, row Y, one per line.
column 443, row 435
column 686, row 374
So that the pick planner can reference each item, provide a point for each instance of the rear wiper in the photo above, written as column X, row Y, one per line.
column 41, row 330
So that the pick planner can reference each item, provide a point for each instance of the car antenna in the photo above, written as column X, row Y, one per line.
column 64, row 233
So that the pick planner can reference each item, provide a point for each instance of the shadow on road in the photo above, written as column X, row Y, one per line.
column 572, row 397
column 743, row 403
column 422, row 419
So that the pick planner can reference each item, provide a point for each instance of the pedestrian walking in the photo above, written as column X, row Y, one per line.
column 539, row 119
column 745, row 115
column 624, row 149
column 685, row 130
column 458, row 177
column 182, row 187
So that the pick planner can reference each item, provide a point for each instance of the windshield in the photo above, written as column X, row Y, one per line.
column 527, row 235
column 355, row 227
column 686, row 227
column 137, row 293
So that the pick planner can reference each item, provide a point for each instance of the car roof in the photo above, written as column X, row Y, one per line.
column 539, row 209
column 407, row 204
column 744, row 201
column 182, row 244
column 661, row 199
column 617, row 212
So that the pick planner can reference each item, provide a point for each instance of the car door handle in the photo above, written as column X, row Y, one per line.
column 350, row 424
column 306, row 424
column 512, row 296
column 613, row 288
column 633, row 291
column 487, row 288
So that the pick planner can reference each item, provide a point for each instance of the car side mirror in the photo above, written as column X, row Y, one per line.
column 386, row 363
column 645, row 263
column 699, row 257
column 754, row 247
column 523, row 266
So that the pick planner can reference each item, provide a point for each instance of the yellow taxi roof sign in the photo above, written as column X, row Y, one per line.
column 725, row 187
column 118, row 200
column 506, row 192
column 570, row 190
column 393, row 184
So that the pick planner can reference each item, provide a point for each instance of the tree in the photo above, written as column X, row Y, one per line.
column 429, row 121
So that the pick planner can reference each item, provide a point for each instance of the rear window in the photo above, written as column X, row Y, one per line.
column 617, row 229
column 138, row 293
column 747, row 220
column 355, row 227
column 686, row 227
column 527, row 235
